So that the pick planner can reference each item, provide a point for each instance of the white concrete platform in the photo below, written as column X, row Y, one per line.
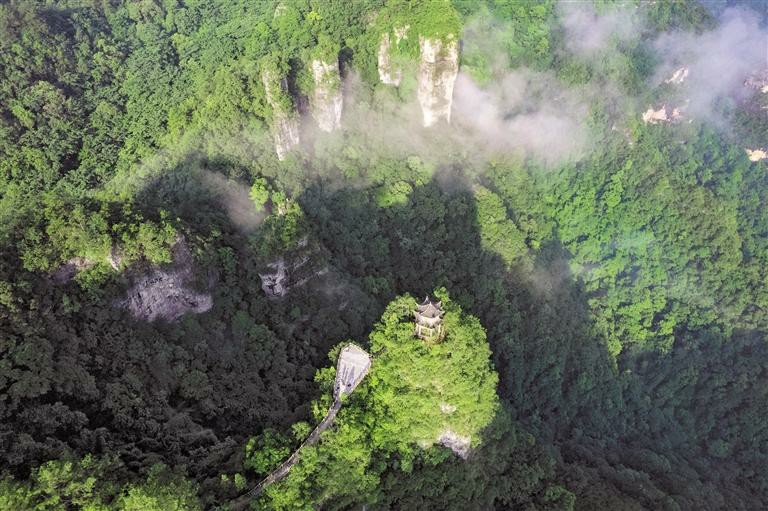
column 353, row 365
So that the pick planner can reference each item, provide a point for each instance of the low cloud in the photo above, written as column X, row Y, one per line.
column 510, row 112
column 589, row 32
column 718, row 60
column 523, row 112
column 235, row 199
column 518, row 113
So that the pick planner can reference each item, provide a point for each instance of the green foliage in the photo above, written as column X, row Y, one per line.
column 259, row 193
column 394, row 194
column 432, row 19
column 283, row 229
column 162, row 491
column 240, row 482
column 93, row 230
column 498, row 233
column 273, row 71
column 682, row 14
column 414, row 393
column 658, row 244
column 264, row 452
column 412, row 380
column 327, row 50
column 622, row 297
column 57, row 485
column 87, row 485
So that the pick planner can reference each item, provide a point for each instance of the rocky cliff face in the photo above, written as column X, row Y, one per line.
column 438, row 68
column 292, row 269
column 164, row 293
column 678, row 76
column 455, row 442
column 285, row 124
column 327, row 100
column 388, row 74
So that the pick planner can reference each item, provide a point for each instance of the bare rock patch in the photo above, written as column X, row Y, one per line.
column 664, row 114
column 757, row 154
column 678, row 76
column 455, row 442
column 166, row 293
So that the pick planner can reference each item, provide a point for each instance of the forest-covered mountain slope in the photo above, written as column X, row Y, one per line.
column 201, row 201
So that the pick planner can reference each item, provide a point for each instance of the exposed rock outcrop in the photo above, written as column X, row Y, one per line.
column 757, row 154
column 280, row 9
column 327, row 100
column 458, row 444
column 72, row 267
column 438, row 68
column 292, row 270
column 165, row 293
column 285, row 123
column 401, row 33
column 275, row 281
column 663, row 114
column 388, row 73
column 678, row 76
column 758, row 81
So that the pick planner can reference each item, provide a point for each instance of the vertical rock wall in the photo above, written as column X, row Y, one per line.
column 438, row 68
column 387, row 73
column 285, row 124
column 327, row 100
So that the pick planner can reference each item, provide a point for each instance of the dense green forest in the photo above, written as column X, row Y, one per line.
column 592, row 217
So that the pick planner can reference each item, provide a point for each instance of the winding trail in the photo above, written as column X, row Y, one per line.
column 286, row 466
column 352, row 367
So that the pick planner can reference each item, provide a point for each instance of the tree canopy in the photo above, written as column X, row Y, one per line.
column 606, row 307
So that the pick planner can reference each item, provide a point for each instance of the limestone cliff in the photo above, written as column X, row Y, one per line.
column 388, row 74
column 327, row 100
column 294, row 268
column 438, row 68
column 166, row 292
column 285, row 123
column 286, row 273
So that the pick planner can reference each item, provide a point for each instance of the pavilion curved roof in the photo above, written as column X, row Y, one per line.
column 430, row 309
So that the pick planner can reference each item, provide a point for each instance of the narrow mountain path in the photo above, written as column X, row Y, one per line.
column 286, row 466
column 352, row 367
